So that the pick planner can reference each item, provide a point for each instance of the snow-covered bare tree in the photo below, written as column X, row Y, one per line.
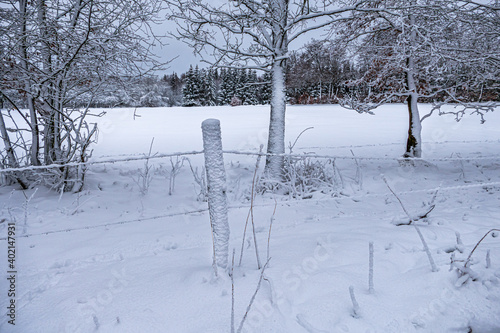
column 440, row 51
column 54, row 51
column 316, row 72
column 256, row 34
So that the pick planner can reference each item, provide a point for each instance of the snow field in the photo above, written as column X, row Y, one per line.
column 155, row 275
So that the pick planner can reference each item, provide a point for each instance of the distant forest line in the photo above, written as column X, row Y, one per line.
column 317, row 74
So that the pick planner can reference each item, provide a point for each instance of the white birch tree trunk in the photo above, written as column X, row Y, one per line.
column 276, row 139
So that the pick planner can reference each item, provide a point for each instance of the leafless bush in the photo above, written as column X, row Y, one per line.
column 174, row 171
column 303, row 176
column 145, row 175
column 201, row 180
column 49, row 61
column 76, row 136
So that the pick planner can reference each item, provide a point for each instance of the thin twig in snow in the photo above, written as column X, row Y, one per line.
column 359, row 174
column 355, row 305
column 270, row 227
column 25, row 206
column 243, row 239
column 419, row 217
column 290, row 145
column 80, row 205
column 232, row 293
column 251, row 215
column 336, row 172
column 475, row 247
column 306, row 325
column 426, row 248
column 422, row 239
column 370, row 269
column 400, row 202
column 253, row 296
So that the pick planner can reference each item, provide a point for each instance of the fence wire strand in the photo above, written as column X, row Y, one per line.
column 340, row 157
column 116, row 160
column 248, row 153
column 354, row 197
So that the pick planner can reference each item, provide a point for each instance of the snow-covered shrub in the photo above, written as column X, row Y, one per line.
column 303, row 176
column 174, row 171
column 151, row 99
column 201, row 180
column 463, row 266
column 145, row 175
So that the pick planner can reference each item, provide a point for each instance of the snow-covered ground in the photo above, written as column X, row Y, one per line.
column 110, row 259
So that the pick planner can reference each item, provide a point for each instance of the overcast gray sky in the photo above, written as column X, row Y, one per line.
column 174, row 48
column 185, row 56
column 180, row 50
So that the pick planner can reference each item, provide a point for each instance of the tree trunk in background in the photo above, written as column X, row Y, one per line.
column 23, row 50
column 414, row 142
column 48, row 90
column 276, row 139
column 11, row 157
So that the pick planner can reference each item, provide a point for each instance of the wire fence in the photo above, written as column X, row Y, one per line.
column 343, row 157
column 287, row 202
column 398, row 144
column 247, row 153
column 130, row 158
column 92, row 162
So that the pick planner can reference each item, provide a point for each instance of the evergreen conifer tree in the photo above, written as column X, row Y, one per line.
column 225, row 87
column 191, row 90
column 210, row 88
column 251, row 90
column 265, row 89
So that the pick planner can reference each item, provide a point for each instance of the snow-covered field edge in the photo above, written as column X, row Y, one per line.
column 113, row 259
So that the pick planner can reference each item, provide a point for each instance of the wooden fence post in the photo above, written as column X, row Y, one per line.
column 217, row 198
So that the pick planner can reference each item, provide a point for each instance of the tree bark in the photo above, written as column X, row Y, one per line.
column 276, row 139
column 23, row 50
column 8, row 146
column 48, row 90
column 414, row 142
column 11, row 157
